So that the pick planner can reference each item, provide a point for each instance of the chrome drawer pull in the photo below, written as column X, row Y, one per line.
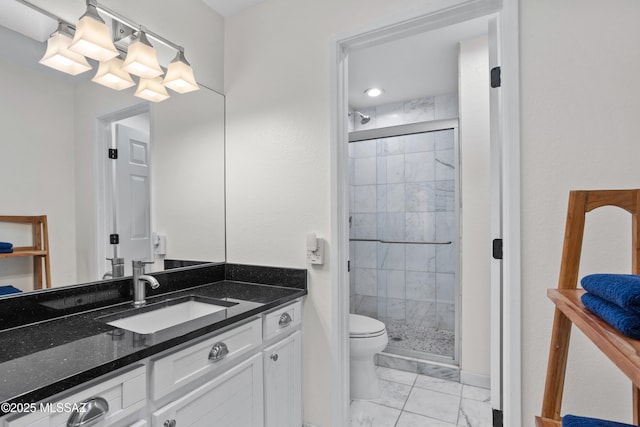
column 93, row 410
column 218, row 351
column 170, row 423
column 274, row 357
column 285, row 319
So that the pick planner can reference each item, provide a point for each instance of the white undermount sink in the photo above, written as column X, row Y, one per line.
column 166, row 317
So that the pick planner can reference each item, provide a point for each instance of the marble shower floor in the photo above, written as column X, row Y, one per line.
column 414, row 400
column 420, row 339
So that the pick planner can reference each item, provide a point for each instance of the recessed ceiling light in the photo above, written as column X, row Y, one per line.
column 373, row 92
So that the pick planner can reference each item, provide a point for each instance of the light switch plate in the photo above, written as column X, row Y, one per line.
column 317, row 256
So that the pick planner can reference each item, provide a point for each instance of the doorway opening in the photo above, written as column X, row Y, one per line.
column 124, row 226
column 504, row 341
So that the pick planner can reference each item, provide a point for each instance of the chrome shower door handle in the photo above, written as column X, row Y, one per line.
column 89, row 412
column 218, row 352
column 285, row 320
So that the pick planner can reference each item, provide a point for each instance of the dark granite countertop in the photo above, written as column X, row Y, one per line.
column 38, row 360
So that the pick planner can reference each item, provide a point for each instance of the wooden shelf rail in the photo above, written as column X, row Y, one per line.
column 622, row 351
column 39, row 248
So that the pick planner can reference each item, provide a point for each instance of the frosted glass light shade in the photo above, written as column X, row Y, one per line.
column 59, row 57
column 142, row 60
column 93, row 40
column 152, row 90
column 180, row 78
column 110, row 74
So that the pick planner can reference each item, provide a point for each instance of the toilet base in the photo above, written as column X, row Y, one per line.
column 365, row 384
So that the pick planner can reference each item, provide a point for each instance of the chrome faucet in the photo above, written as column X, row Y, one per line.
column 117, row 268
column 139, row 279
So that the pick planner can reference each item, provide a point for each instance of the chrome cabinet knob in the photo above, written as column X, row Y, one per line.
column 285, row 319
column 218, row 351
column 90, row 411
column 274, row 357
column 170, row 423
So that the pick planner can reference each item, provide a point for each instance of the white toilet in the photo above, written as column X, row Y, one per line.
column 367, row 336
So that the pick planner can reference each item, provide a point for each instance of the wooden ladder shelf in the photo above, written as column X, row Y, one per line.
column 622, row 351
column 39, row 248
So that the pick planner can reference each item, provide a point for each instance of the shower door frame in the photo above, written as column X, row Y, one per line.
column 418, row 128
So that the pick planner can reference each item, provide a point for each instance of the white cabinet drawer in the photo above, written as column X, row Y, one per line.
column 175, row 370
column 232, row 399
column 282, row 320
column 125, row 394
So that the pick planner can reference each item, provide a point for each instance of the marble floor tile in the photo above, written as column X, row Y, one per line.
column 369, row 414
column 440, row 385
column 393, row 394
column 407, row 419
column 474, row 413
column 443, row 407
column 397, row 376
column 476, row 393
column 413, row 400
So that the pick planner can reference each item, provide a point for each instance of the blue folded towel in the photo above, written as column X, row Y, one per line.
column 6, row 290
column 625, row 321
column 6, row 245
column 6, row 251
column 575, row 421
column 620, row 289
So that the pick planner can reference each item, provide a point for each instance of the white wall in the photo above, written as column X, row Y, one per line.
column 36, row 160
column 579, row 94
column 475, row 211
column 277, row 82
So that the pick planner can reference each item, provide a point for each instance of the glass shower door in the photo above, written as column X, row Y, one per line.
column 405, row 240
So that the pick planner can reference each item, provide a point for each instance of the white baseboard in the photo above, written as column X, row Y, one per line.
column 476, row 380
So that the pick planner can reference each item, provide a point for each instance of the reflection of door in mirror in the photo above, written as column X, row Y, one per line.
column 128, row 204
column 133, row 204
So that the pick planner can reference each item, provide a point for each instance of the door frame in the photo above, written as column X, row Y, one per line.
column 104, row 139
column 509, row 123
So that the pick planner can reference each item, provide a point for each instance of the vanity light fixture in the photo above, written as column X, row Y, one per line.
column 142, row 59
column 59, row 57
column 111, row 74
column 373, row 92
column 93, row 38
column 179, row 75
column 152, row 89
column 66, row 52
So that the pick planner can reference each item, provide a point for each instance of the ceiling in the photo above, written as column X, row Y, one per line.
column 425, row 64
column 229, row 7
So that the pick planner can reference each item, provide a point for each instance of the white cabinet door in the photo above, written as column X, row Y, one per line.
column 232, row 399
column 283, row 383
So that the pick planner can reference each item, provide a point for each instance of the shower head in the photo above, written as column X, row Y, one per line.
column 364, row 119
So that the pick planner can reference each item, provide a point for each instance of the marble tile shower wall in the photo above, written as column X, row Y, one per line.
column 403, row 188
column 413, row 111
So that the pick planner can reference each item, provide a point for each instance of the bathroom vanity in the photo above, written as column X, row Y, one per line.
column 239, row 365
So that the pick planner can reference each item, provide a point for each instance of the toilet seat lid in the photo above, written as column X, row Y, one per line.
column 364, row 326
